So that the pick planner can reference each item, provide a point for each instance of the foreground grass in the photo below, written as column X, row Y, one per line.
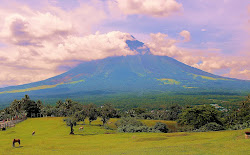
column 52, row 137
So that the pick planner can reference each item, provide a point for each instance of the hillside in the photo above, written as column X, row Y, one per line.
column 139, row 74
column 52, row 138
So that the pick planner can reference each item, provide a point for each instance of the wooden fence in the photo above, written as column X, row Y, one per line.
column 11, row 123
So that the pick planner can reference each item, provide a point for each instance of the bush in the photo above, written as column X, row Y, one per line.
column 130, row 124
column 130, row 128
column 240, row 126
column 128, row 121
column 161, row 127
column 210, row 127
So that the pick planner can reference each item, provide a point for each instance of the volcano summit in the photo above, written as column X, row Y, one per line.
column 143, row 73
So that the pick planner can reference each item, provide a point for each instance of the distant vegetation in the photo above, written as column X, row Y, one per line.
column 190, row 118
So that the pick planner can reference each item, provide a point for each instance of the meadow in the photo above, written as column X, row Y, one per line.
column 52, row 137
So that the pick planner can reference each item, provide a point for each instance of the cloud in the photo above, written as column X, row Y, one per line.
column 210, row 60
column 41, row 62
column 186, row 35
column 92, row 47
column 39, row 42
column 27, row 26
column 24, row 30
column 157, row 8
column 160, row 44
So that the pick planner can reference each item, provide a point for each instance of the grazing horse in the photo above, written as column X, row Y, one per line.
column 16, row 141
column 33, row 133
column 81, row 128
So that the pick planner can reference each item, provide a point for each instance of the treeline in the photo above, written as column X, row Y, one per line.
column 189, row 118
column 161, row 101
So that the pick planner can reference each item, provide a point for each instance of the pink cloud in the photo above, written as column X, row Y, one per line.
column 21, row 30
column 40, row 41
column 186, row 35
column 160, row 44
column 43, row 61
column 159, row 8
column 210, row 60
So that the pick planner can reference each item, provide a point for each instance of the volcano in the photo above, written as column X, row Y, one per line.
column 143, row 73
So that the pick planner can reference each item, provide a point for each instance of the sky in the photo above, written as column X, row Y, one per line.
column 43, row 38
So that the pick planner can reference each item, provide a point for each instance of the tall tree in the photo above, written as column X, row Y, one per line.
column 71, row 121
column 107, row 111
column 239, row 115
column 91, row 112
column 174, row 112
column 80, row 115
column 199, row 116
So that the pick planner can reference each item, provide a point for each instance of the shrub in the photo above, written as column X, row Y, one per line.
column 130, row 128
column 161, row 127
column 210, row 127
column 128, row 121
column 240, row 126
column 130, row 124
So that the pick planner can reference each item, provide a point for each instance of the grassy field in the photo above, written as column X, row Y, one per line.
column 52, row 137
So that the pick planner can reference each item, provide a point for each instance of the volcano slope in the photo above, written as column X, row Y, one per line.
column 140, row 74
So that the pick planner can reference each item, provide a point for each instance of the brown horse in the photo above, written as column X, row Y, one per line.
column 81, row 128
column 16, row 141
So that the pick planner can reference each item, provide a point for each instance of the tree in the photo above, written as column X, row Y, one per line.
column 239, row 115
column 199, row 116
column 24, row 105
column 80, row 115
column 107, row 112
column 135, row 112
column 39, row 104
column 30, row 106
column 49, row 110
column 91, row 112
column 71, row 121
column 174, row 112
column 243, row 114
column 68, row 107
column 16, row 107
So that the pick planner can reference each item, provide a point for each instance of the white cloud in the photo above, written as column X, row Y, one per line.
column 155, row 8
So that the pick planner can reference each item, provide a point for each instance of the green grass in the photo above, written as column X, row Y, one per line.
column 207, row 77
column 52, row 137
column 39, row 87
column 188, row 87
column 30, row 89
column 169, row 81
